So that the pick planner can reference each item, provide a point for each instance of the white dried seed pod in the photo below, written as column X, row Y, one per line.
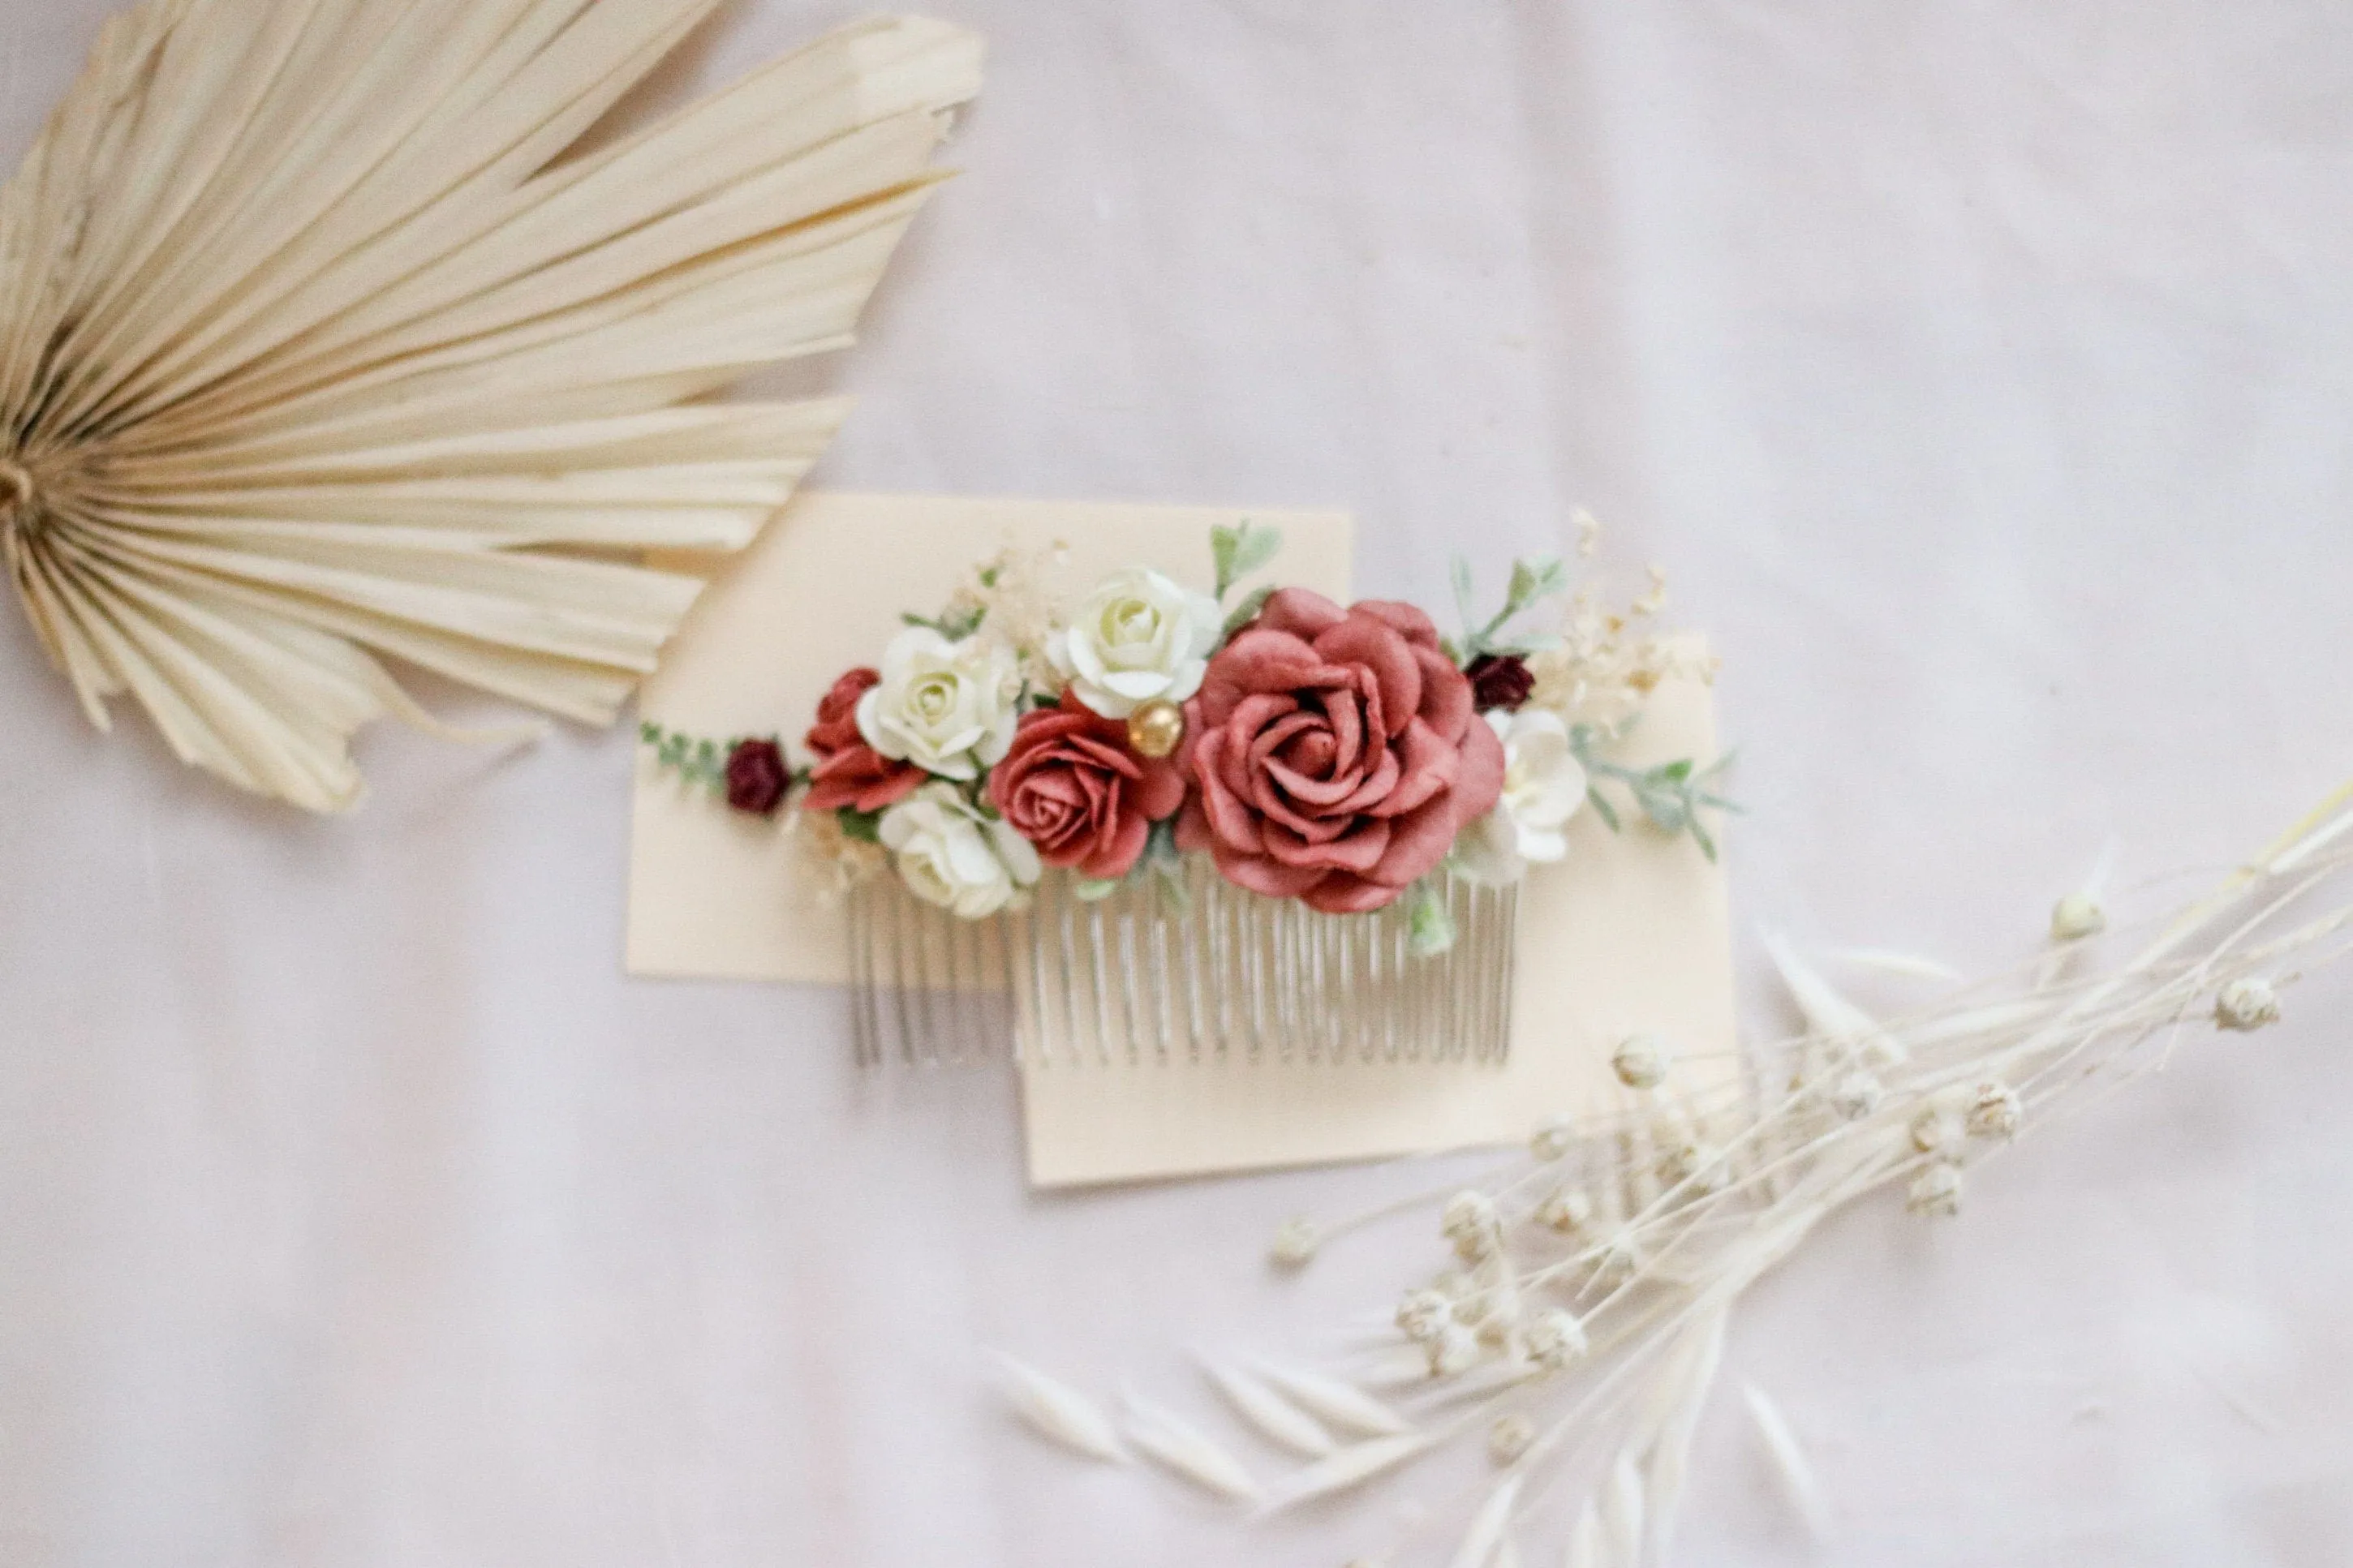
column 1936, row 1129
column 1641, row 1061
column 1689, row 1160
column 2077, row 916
column 1553, row 1139
column 1422, row 1315
column 1295, row 1241
column 2246, row 1005
column 1556, row 1339
column 1510, row 1436
column 1454, row 1351
column 1619, row 1258
column 1936, row 1190
column 1471, row 1224
column 1567, row 1210
column 1995, row 1111
column 1856, row 1095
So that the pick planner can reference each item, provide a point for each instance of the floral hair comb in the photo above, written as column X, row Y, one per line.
column 1172, row 824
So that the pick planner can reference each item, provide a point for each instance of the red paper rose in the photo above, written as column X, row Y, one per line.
column 1336, row 753
column 1072, row 786
column 849, row 771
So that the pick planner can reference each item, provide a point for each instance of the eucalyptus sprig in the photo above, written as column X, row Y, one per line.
column 1533, row 580
column 1672, row 796
column 698, row 760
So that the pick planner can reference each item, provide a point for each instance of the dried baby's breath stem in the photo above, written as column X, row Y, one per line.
column 1596, row 1277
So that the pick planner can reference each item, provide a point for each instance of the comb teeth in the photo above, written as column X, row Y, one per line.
column 1148, row 975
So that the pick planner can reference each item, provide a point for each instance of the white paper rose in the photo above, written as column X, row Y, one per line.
column 1544, row 787
column 1139, row 637
column 949, row 854
column 947, row 706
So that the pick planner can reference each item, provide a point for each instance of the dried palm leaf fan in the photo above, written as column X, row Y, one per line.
column 312, row 351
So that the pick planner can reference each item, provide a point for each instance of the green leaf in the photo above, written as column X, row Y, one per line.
column 1088, row 890
column 962, row 625
column 908, row 617
column 1430, row 925
column 1533, row 580
column 1604, row 810
column 1245, row 613
column 1237, row 552
column 1460, row 570
column 865, row 826
column 1677, row 771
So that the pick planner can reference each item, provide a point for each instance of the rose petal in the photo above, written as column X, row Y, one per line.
column 1427, row 768
column 1479, row 780
column 1408, row 621
column 1117, row 851
column 1417, row 842
column 1301, row 611
column 1259, row 875
column 1158, row 791
column 1446, row 701
column 1360, row 641
column 1258, row 660
column 1235, row 823
column 1342, row 894
column 1359, row 851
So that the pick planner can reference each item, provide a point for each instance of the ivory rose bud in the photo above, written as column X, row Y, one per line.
column 946, row 707
column 1139, row 637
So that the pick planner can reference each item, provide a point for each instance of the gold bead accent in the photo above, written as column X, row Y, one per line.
column 1154, row 728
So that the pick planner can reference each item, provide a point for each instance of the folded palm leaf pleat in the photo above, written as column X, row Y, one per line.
column 316, row 347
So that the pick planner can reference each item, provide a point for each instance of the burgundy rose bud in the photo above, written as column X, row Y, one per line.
column 1336, row 753
column 757, row 777
column 1500, row 680
column 849, row 771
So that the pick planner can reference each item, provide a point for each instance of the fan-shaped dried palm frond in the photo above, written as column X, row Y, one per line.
column 310, row 349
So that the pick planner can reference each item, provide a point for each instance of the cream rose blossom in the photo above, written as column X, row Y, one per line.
column 947, row 706
column 1139, row 637
column 1544, row 787
column 951, row 854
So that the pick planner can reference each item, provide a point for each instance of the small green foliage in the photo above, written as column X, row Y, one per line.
column 1245, row 613
column 1094, row 889
column 1671, row 797
column 1429, row 924
column 956, row 623
column 696, row 760
column 864, row 827
column 1533, row 582
column 1239, row 552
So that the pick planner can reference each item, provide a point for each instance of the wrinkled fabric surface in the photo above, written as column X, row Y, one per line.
column 1980, row 373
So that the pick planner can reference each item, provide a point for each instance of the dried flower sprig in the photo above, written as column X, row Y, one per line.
column 1598, row 1275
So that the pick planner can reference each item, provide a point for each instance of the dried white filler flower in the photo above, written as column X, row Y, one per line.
column 1937, row 1129
column 1424, row 1314
column 1556, row 1339
column 1553, row 1139
column 1641, row 1061
column 1295, row 1241
column 1856, row 1095
column 1936, row 1190
column 1995, row 1111
column 1510, row 1437
column 1567, row 1210
column 2077, row 916
column 1471, row 1224
column 1454, row 1351
column 2246, row 1005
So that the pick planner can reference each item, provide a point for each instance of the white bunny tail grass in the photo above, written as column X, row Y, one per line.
column 315, row 350
column 1184, row 1451
column 1613, row 1327
column 1788, row 1459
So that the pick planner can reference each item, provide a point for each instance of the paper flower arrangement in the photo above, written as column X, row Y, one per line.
column 1339, row 755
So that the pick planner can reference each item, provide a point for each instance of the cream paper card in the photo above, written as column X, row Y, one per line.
column 1629, row 934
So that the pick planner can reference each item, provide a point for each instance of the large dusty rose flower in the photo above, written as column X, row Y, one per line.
column 1336, row 751
column 849, row 771
column 1072, row 786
